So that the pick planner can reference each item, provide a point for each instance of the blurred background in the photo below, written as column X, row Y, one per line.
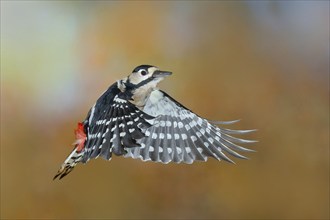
column 265, row 62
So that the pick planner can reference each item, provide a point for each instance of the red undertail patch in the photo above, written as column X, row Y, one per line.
column 80, row 137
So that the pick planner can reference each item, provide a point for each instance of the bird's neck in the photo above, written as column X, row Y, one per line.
column 140, row 96
column 137, row 96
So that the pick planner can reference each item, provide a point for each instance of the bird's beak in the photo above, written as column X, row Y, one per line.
column 161, row 73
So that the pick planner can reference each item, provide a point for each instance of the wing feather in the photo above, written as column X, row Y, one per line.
column 158, row 143
column 117, row 149
column 202, row 141
column 179, row 135
column 118, row 127
column 189, row 144
column 106, row 151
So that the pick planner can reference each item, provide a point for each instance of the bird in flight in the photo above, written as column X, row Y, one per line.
column 133, row 118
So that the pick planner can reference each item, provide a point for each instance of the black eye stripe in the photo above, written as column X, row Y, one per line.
column 131, row 86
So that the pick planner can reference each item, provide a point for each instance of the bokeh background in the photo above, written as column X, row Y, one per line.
column 265, row 62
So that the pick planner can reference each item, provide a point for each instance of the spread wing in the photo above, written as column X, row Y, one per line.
column 113, row 123
column 179, row 135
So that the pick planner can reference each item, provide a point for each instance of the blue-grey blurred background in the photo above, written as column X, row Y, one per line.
column 265, row 62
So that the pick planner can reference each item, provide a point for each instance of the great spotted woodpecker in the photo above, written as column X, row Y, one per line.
column 135, row 119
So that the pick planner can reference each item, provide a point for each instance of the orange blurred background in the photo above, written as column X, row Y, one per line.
column 265, row 62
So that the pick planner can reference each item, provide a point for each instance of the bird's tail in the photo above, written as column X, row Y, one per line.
column 76, row 154
column 70, row 162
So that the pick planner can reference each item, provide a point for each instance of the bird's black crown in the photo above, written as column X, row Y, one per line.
column 142, row 67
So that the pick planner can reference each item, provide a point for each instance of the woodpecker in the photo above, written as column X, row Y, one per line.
column 133, row 118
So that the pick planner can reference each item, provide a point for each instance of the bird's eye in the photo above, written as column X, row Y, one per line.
column 143, row 72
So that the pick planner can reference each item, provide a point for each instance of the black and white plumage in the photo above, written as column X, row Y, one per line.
column 135, row 119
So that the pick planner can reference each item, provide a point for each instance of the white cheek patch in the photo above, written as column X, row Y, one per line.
column 136, row 78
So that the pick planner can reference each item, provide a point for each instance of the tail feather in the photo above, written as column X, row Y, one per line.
column 70, row 162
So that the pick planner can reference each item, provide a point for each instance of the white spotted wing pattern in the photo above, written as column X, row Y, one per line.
column 116, row 129
column 179, row 135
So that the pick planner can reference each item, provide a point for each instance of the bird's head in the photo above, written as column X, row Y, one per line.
column 143, row 79
column 146, row 76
